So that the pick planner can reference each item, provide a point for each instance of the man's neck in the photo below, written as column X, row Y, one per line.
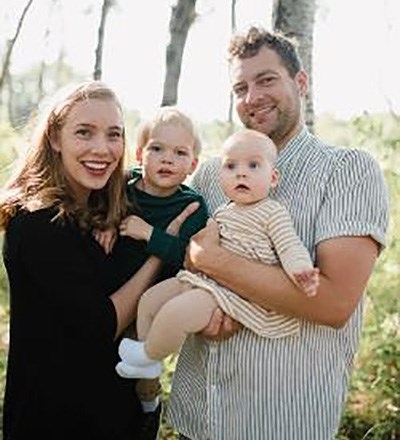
column 281, row 143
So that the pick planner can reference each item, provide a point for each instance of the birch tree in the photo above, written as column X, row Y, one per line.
column 296, row 18
column 10, row 46
column 98, row 66
column 182, row 17
column 233, row 29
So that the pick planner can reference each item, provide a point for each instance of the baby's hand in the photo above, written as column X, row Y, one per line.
column 308, row 280
column 106, row 239
column 136, row 228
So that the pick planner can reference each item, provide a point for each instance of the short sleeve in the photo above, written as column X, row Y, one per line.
column 356, row 199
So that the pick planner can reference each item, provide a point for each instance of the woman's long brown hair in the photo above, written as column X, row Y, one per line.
column 39, row 182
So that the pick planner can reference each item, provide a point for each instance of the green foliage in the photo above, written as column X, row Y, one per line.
column 29, row 87
column 9, row 140
column 213, row 134
column 373, row 409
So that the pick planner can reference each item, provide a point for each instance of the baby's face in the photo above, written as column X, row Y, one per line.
column 247, row 174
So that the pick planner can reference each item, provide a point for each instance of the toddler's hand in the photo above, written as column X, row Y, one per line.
column 136, row 228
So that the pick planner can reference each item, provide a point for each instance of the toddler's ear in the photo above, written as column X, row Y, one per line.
column 195, row 162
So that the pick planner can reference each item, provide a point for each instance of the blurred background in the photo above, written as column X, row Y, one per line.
column 158, row 52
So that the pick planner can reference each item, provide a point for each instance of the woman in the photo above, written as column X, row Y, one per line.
column 69, row 300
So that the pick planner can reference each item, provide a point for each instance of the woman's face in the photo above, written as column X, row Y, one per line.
column 91, row 144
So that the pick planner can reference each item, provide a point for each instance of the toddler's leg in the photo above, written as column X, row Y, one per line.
column 148, row 391
column 135, row 362
column 187, row 313
column 152, row 301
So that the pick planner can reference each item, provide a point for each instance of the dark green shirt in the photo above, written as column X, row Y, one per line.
column 159, row 212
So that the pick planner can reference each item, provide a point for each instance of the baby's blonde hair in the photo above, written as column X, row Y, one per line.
column 168, row 115
column 245, row 135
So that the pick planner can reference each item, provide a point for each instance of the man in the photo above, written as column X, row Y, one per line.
column 292, row 388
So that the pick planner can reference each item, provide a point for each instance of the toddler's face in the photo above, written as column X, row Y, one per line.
column 247, row 174
column 167, row 159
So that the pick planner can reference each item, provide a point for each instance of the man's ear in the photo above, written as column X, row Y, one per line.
column 301, row 79
column 274, row 178
column 139, row 152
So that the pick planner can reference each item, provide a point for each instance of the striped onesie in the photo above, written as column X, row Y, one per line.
column 263, row 232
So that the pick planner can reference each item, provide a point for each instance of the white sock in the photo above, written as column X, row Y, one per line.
column 133, row 352
column 150, row 371
column 150, row 405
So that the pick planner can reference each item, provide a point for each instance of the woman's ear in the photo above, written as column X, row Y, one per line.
column 54, row 142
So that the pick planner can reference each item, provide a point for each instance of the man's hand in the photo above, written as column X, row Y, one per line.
column 221, row 326
column 136, row 228
column 200, row 246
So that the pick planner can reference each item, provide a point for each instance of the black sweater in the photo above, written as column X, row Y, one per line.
column 61, row 379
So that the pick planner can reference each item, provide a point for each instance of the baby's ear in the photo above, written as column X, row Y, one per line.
column 274, row 178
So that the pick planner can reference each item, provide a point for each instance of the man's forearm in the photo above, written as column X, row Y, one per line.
column 270, row 287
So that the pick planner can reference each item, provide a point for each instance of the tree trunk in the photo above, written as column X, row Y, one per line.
column 10, row 45
column 182, row 17
column 97, row 74
column 295, row 18
column 233, row 29
column 55, row 5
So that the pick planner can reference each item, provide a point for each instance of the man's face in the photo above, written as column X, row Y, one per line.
column 267, row 98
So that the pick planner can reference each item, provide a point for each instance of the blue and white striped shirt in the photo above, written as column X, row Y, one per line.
column 292, row 388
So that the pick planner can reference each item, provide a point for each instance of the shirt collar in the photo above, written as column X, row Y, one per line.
column 297, row 143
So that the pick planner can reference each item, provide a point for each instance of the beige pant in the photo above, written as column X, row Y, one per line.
column 170, row 311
